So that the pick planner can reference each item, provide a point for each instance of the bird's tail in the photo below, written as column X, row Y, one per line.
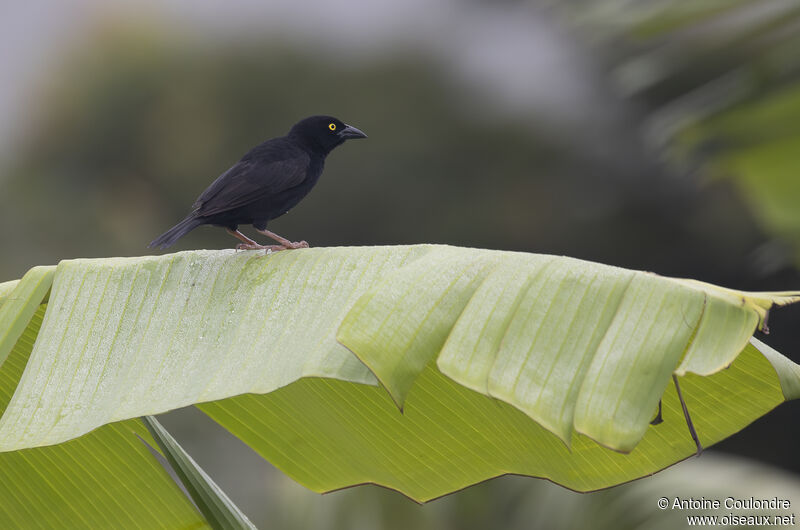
column 169, row 237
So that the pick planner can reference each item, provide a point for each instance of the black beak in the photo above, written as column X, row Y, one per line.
column 350, row 132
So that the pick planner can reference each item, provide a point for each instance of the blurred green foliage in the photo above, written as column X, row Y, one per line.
column 717, row 85
column 758, row 146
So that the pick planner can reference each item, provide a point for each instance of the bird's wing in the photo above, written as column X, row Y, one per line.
column 250, row 180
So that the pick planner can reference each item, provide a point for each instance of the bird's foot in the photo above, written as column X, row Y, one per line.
column 272, row 248
column 289, row 246
column 252, row 246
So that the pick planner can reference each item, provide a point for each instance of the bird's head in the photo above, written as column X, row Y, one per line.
column 323, row 133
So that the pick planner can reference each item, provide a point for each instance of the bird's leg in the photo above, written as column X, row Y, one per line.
column 284, row 243
column 246, row 242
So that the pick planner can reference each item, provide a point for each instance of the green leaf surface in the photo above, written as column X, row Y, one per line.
column 504, row 362
column 106, row 479
column 408, row 315
column 574, row 344
column 20, row 302
column 6, row 288
column 330, row 434
column 137, row 336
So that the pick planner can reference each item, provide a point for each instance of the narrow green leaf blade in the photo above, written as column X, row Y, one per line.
column 787, row 370
column 218, row 509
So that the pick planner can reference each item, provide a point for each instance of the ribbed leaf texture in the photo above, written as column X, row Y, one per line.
column 421, row 368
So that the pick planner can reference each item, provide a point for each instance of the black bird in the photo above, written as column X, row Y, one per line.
column 266, row 183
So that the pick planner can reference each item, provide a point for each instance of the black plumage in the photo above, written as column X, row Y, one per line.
column 266, row 183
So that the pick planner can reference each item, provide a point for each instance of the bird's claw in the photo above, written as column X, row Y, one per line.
column 248, row 246
column 272, row 248
column 291, row 245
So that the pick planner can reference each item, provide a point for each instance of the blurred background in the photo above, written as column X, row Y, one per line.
column 649, row 134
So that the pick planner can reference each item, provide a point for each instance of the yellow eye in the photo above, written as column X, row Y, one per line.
column 332, row 126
